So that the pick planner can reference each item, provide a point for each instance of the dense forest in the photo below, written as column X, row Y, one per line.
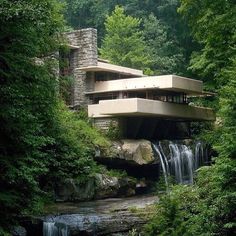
column 41, row 139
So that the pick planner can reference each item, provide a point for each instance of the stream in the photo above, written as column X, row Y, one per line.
column 118, row 216
column 114, row 216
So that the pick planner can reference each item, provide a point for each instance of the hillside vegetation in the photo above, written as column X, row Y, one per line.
column 41, row 140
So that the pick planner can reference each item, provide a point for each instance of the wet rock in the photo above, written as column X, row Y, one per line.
column 104, row 217
column 136, row 152
column 127, row 187
column 116, row 223
column 98, row 187
column 98, row 224
column 74, row 190
column 19, row 231
column 108, row 186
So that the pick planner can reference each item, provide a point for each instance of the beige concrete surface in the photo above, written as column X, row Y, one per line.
column 165, row 82
column 101, row 66
column 144, row 107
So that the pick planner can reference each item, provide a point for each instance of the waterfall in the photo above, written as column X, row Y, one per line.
column 180, row 160
column 176, row 162
column 199, row 155
column 187, row 160
column 164, row 163
column 55, row 229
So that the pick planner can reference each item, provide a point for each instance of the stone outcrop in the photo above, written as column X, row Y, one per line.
column 19, row 231
column 136, row 157
column 107, row 186
column 137, row 152
column 99, row 187
column 102, row 217
column 73, row 190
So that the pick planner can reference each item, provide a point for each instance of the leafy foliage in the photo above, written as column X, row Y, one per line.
column 124, row 42
column 213, row 210
column 28, row 96
column 213, row 26
column 74, row 146
column 162, row 50
column 172, row 212
column 165, row 33
column 39, row 138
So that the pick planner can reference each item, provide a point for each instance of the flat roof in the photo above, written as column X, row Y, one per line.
column 72, row 46
column 107, row 67
column 103, row 60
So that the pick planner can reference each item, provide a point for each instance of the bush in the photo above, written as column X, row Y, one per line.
column 173, row 212
column 74, row 147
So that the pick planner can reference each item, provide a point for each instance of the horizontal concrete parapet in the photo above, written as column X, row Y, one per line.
column 165, row 82
column 144, row 107
column 94, row 111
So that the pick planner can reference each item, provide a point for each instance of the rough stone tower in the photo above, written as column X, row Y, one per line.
column 83, row 52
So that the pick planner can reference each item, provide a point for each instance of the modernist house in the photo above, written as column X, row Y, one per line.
column 140, row 105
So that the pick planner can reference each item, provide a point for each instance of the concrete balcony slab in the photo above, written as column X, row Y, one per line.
column 149, row 108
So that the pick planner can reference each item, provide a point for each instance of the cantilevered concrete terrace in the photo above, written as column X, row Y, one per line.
column 155, row 96
column 165, row 82
column 126, row 95
column 149, row 108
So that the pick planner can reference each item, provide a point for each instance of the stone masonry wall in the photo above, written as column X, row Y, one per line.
column 84, row 55
column 110, row 124
column 105, row 123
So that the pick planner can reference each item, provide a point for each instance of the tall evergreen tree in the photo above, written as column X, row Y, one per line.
column 124, row 42
column 167, row 57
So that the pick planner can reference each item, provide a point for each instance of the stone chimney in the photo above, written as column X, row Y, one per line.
column 83, row 44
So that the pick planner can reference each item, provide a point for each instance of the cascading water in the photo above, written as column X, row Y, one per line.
column 164, row 163
column 55, row 229
column 199, row 155
column 187, row 162
column 180, row 160
column 176, row 162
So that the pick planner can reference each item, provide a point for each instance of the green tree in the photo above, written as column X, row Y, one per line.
column 213, row 26
column 124, row 42
column 40, row 140
column 28, row 96
column 88, row 13
column 166, row 55
column 166, row 33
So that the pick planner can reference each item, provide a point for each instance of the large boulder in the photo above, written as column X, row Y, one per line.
column 98, row 187
column 74, row 190
column 136, row 152
column 110, row 186
column 19, row 231
column 106, row 186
